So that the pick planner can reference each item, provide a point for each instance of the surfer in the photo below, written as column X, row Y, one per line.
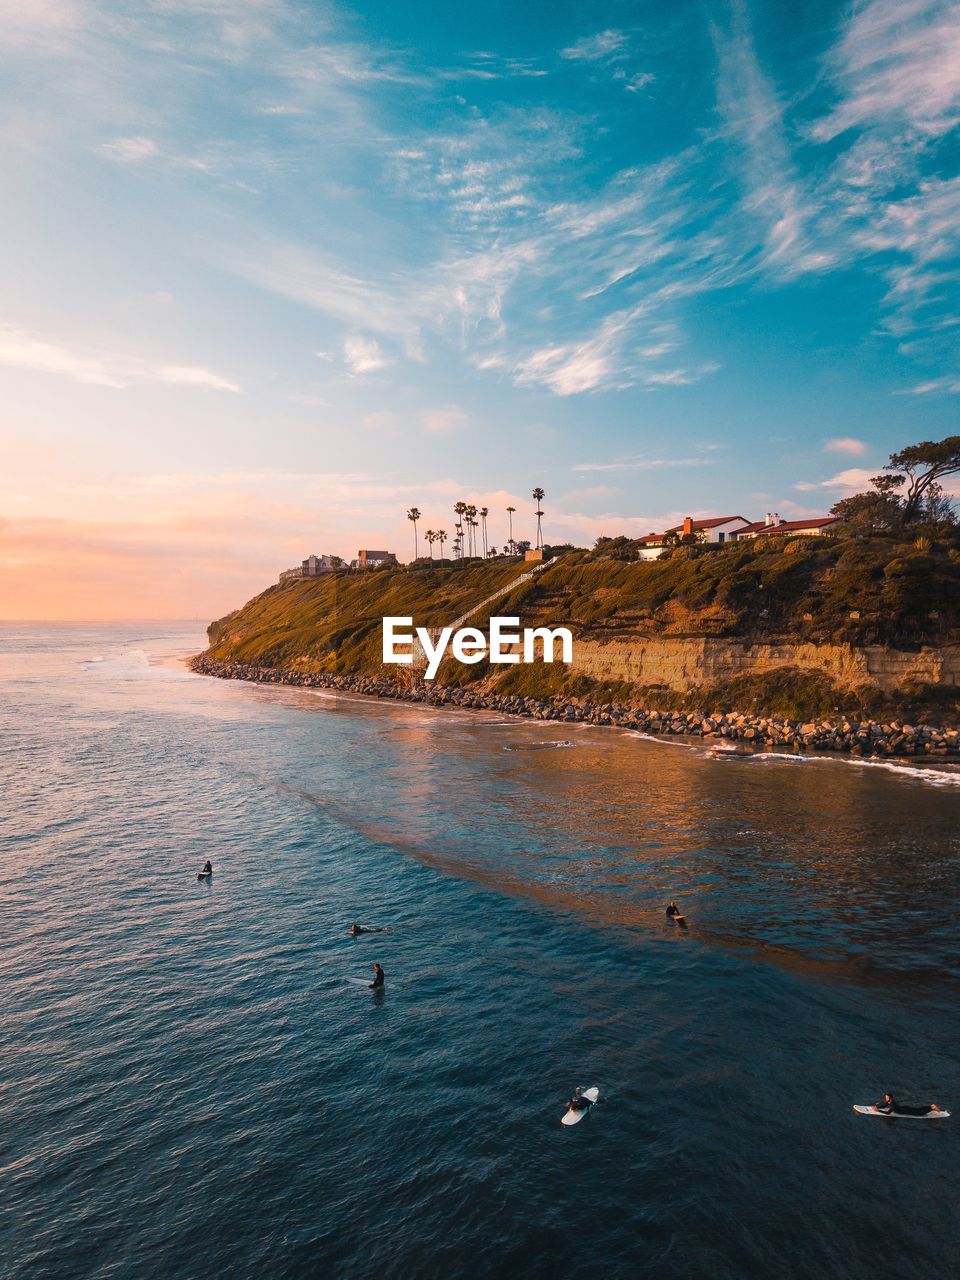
column 890, row 1107
column 578, row 1102
column 377, row 978
column 673, row 910
column 207, row 868
column 355, row 930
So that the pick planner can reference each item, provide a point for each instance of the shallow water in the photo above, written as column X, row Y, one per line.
column 193, row 1082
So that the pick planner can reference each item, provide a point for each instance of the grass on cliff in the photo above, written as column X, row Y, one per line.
column 804, row 588
column 334, row 623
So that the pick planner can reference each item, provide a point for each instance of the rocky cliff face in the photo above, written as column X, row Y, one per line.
column 682, row 664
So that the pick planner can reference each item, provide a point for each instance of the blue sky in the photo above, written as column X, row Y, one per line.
column 275, row 271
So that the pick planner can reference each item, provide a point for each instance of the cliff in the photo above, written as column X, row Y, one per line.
column 803, row 627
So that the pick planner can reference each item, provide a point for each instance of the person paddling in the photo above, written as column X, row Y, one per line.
column 378, row 976
column 890, row 1107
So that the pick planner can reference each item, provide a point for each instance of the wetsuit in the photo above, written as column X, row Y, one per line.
column 377, row 979
column 894, row 1108
column 207, row 868
column 673, row 910
column 579, row 1103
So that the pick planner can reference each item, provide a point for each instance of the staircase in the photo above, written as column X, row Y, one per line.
column 420, row 657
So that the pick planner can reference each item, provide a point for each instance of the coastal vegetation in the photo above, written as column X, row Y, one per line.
column 887, row 577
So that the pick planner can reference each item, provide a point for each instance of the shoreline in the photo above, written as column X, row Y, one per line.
column 841, row 736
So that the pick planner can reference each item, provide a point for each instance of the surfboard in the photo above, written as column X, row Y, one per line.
column 899, row 1115
column 574, row 1117
column 680, row 920
column 204, row 875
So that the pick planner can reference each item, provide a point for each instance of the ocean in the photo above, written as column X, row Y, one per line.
column 195, row 1080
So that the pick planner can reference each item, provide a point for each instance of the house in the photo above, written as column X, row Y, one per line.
column 814, row 526
column 373, row 559
column 716, row 529
column 312, row 567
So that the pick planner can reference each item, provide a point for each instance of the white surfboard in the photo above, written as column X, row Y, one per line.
column 574, row 1117
column 898, row 1115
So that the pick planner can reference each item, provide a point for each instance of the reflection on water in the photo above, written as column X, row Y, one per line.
column 821, row 866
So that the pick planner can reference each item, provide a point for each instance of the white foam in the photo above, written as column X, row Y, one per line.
column 935, row 776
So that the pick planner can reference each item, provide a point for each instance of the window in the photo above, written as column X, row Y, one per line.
column 721, row 536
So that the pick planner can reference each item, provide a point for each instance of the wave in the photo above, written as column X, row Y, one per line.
column 936, row 775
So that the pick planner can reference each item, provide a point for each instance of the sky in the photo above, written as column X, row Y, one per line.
column 275, row 271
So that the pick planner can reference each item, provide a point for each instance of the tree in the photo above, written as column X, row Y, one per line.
column 538, row 496
column 909, row 490
column 430, row 538
column 923, row 465
column 459, row 510
column 870, row 513
column 471, row 524
column 510, row 511
column 441, row 538
column 484, row 512
column 414, row 515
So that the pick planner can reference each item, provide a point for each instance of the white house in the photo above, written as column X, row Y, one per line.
column 716, row 529
column 813, row 526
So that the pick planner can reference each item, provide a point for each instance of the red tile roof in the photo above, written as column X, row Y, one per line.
column 760, row 526
column 712, row 523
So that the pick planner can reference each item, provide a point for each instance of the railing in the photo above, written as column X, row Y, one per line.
column 420, row 657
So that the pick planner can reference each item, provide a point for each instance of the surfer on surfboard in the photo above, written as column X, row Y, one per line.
column 578, row 1102
column 355, row 929
column 207, row 870
column 890, row 1107
column 378, row 977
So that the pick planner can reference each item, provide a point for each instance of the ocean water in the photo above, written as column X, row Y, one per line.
column 195, row 1080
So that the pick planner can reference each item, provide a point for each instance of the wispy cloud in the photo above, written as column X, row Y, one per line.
column 22, row 349
column 897, row 62
column 643, row 464
column 601, row 47
column 753, row 119
column 852, row 481
column 948, row 385
column 363, row 355
column 846, row 444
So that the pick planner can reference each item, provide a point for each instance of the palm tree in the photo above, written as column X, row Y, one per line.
column 472, row 524
column 441, row 538
column 431, row 538
column 484, row 512
column 538, row 497
column 460, row 510
column 414, row 515
column 510, row 511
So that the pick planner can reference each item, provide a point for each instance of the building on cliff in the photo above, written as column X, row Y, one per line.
column 715, row 529
column 372, row 559
column 812, row 527
column 312, row 567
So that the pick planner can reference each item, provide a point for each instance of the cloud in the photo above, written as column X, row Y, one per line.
column 854, row 480
column 131, row 150
column 753, row 119
column 642, row 464
column 948, row 385
column 846, row 444
column 363, row 355
column 602, row 47
column 441, row 421
column 21, row 349
column 897, row 61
